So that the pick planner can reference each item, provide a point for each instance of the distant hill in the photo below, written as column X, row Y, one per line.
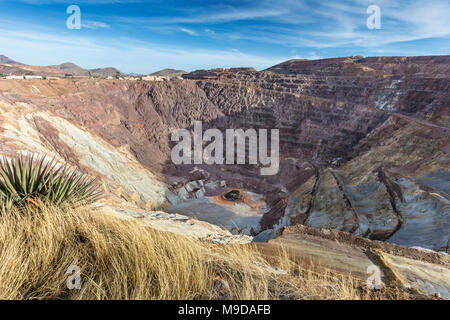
column 305, row 66
column 285, row 66
column 169, row 73
column 6, row 60
column 106, row 72
column 69, row 67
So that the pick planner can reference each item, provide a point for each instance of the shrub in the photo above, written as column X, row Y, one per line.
column 26, row 179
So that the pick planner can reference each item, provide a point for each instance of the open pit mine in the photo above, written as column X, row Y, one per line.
column 363, row 155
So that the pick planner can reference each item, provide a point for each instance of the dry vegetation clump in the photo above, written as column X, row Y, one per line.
column 124, row 259
column 27, row 179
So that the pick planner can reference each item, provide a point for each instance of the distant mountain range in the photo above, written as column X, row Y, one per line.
column 76, row 70
column 72, row 68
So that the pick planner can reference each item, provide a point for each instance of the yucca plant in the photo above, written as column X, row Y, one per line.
column 26, row 179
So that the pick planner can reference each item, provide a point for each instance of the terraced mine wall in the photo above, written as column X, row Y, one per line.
column 363, row 142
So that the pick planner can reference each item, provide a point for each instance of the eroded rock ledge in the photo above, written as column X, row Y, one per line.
column 416, row 270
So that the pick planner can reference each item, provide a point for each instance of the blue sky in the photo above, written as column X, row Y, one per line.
column 145, row 36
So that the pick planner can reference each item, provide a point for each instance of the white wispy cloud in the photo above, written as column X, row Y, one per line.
column 188, row 31
column 228, row 15
column 232, row 15
column 94, row 24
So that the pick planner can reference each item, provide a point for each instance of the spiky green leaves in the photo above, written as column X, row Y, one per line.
column 29, row 179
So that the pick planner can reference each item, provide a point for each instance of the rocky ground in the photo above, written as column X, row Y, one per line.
column 364, row 146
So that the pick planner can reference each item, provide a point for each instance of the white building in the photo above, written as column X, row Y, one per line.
column 33, row 77
column 151, row 78
column 15, row 77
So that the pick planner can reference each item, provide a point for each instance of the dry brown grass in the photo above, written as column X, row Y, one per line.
column 123, row 259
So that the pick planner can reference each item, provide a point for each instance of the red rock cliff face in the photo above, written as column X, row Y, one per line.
column 386, row 116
